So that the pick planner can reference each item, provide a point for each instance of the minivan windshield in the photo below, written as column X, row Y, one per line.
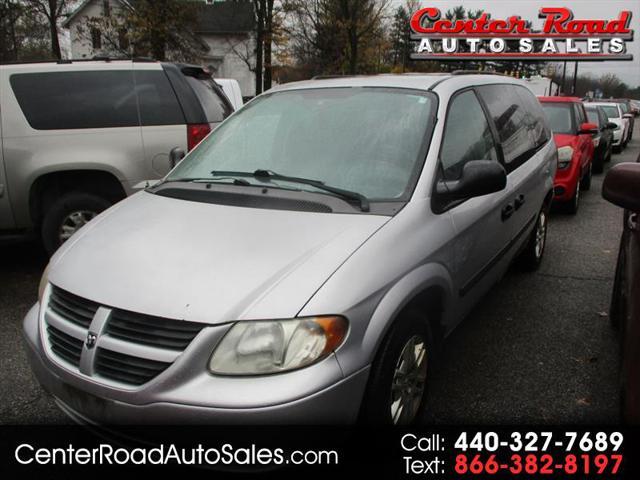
column 560, row 116
column 364, row 140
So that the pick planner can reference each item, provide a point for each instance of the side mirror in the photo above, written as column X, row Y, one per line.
column 621, row 186
column 175, row 156
column 588, row 128
column 627, row 115
column 479, row 177
column 611, row 125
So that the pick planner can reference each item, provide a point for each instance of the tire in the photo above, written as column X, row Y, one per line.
column 617, row 149
column 61, row 214
column 573, row 205
column 585, row 183
column 377, row 404
column 598, row 164
column 531, row 257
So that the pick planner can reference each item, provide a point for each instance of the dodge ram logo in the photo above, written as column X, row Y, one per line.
column 90, row 342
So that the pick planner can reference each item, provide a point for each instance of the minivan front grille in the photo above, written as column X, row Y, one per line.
column 130, row 348
column 154, row 331
column 65, row 346
column 73, row 308
column 126, row 368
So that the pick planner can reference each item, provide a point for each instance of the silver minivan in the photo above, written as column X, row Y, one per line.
column 305, row 262
column 78, row 136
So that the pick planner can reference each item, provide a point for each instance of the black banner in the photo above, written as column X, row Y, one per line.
column 292, row 452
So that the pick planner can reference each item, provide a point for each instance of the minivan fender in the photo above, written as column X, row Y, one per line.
column 429, row 282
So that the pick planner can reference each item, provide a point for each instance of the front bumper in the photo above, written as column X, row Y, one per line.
column 316, row 395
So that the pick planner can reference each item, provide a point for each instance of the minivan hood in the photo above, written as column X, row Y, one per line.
column 207, row 263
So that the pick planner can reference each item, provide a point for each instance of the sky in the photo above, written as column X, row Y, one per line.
column 627, row 71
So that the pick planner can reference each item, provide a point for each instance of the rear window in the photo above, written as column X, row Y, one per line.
column 216, row 107
column 560, row 116
column 77, row 100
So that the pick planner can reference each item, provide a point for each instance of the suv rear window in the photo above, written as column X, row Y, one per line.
column 77, row 100
column 216, row 106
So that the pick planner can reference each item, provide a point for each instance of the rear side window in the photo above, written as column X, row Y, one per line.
column 77, row 100
column 518, row 121
column 467, row 136
column 216, row 108
column 158, row 102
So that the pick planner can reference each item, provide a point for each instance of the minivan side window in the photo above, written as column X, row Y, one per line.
column 467, row 136
column 77, row 100
column 158, row 102
column 520, row 130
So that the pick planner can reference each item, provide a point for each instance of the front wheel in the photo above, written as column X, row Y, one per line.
column 397, row 385
column 531, row 256
column 67, row 215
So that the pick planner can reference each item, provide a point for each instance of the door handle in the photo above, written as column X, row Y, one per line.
column 519, row 201
column 507, row 211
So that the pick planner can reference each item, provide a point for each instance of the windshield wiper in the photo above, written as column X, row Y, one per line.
column 236, row 181
column 363, row 202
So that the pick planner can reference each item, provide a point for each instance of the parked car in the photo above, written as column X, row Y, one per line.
column 232, row 90
column 615, row 114
column 77, row 136
column 627, row 112
column 621, row 187
column 635, row 107
column 572, row 132
column 303, row 263
column 603, row 140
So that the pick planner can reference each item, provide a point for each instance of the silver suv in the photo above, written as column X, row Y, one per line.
column 78, row 136
column 305, row 262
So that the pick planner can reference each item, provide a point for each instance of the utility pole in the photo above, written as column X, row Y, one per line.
column 575, row 79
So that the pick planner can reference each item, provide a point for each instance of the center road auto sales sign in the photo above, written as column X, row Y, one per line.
column 562, row 37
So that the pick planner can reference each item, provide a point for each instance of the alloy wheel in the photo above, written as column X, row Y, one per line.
column 541, row 234
column 74, row 222
column 409, row 379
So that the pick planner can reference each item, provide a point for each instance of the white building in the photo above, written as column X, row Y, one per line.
column 224, row 27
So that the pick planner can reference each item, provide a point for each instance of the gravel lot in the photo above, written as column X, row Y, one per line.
column 538, row 349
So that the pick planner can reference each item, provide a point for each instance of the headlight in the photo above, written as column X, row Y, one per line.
column 44, row 279
column 564, row 157
column 273, row 346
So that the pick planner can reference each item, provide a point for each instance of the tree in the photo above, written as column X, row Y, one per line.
column 336, row 36
column 161, row 29
column 54, row 11
column 23, row 33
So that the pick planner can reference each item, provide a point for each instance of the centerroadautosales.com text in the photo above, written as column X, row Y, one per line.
column 227, row 454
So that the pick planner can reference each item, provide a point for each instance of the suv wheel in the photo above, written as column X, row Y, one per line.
column 67, row 215
column 531, row 256
column 397, row 385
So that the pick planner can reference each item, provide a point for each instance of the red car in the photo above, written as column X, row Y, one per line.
column 573, row 135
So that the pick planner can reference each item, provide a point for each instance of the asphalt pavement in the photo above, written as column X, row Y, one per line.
column 537, row 349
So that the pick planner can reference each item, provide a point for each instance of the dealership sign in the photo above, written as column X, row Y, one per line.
column 562, row 37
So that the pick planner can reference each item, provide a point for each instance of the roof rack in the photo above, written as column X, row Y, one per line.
column 476, row 72
column 97, row 58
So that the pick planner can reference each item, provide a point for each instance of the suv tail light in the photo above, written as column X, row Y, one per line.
column 196, row 133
